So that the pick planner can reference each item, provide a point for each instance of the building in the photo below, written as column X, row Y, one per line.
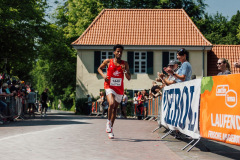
column 151, row 37
column 230, row 52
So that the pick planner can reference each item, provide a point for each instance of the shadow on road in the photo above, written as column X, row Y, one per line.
column 205, row 145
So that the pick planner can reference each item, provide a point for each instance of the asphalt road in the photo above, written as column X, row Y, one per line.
column 65, row 136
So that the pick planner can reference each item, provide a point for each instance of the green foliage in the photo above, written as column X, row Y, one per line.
column 22, row 24
column 56, row 67
column 218, row 30
column 81, row 106
column 76, row 15
column 195, row 9
column 238, row 31
column 130, row 108
column 207, row 84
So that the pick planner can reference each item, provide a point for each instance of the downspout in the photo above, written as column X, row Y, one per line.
column 203, row 64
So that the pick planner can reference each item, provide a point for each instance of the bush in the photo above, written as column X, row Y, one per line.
column 130, row 108
column 81, row 106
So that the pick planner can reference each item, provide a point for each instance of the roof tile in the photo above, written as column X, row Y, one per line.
column 142, row 27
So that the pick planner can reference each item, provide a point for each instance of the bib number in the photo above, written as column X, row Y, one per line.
column 116, row 82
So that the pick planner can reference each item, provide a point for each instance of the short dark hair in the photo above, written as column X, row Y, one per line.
column 182, row 51
column 118, row 46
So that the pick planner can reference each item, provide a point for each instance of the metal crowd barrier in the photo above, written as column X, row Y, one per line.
column 96, row 108
column 15, row 108
column 153, row 106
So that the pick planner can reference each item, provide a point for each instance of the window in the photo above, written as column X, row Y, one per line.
column 172, row 56
column 106, row 55
column 140, row 62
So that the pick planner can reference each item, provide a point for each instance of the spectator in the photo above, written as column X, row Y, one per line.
column 173, row 65
column 44, row 100
column 237, row 64
column 146, row 98
column 224, row 66
column 185, row 71
column 89, row 102
column 19, row 105
column 24, row 100
column 124, row 105
column 105, row 105
column 156, row 89
column 140, row 104
column 3, row 105
column 31, row 99
column 100, row 100
column 135, row 102
column 59, row 104
column 5, row 89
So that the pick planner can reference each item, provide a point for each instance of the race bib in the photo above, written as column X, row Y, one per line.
column 116, row 82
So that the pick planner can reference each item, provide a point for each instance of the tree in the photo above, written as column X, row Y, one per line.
column 194, row 9
column 56, row 66
column 76, row 15
column 22, row 24
column 238, row 30
column 218, row 30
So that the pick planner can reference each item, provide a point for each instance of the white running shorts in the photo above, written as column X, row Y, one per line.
column 118, row 97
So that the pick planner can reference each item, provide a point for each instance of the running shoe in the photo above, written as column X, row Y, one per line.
column 108, row 127
column 111, row 135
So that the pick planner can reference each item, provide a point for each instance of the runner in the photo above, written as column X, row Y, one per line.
column 113, row 84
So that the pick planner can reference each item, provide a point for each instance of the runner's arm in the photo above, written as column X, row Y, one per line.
column 127, row 72
column 102, row 66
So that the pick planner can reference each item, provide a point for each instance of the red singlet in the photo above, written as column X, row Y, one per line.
column 115, row 75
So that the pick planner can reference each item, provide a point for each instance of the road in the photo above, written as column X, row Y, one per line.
column 65, row 136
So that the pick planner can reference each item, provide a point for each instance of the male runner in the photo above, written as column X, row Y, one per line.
column 113, row 84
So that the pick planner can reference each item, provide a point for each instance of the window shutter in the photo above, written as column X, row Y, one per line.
column 97, row 59
column 130, row 59
column 150, row 62
column 165, row 59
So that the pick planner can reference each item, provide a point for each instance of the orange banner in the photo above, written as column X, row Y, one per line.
column 220, row 108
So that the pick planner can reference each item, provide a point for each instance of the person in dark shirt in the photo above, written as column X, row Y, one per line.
column 44, row 99
column 13, row 89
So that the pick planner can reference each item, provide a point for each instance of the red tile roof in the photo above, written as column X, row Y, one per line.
column 142, row 27
column 230, row 52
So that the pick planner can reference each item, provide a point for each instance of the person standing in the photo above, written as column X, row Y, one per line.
column 31, row 99
column 185, row 71
column 89, row 102
column 124, row 105
column 113, row 84
column 223, row 66
column 44, row 99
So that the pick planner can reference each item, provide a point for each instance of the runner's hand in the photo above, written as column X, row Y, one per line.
column 123, row 67
column 106, row 78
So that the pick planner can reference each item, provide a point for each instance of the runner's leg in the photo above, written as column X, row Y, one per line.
column 114, row 113
column 112, row 108
column 110, row 99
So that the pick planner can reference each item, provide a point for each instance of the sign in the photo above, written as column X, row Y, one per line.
column 180, row 107
column 220, row 108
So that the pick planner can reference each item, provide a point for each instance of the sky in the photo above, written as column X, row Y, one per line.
column 227, row 8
